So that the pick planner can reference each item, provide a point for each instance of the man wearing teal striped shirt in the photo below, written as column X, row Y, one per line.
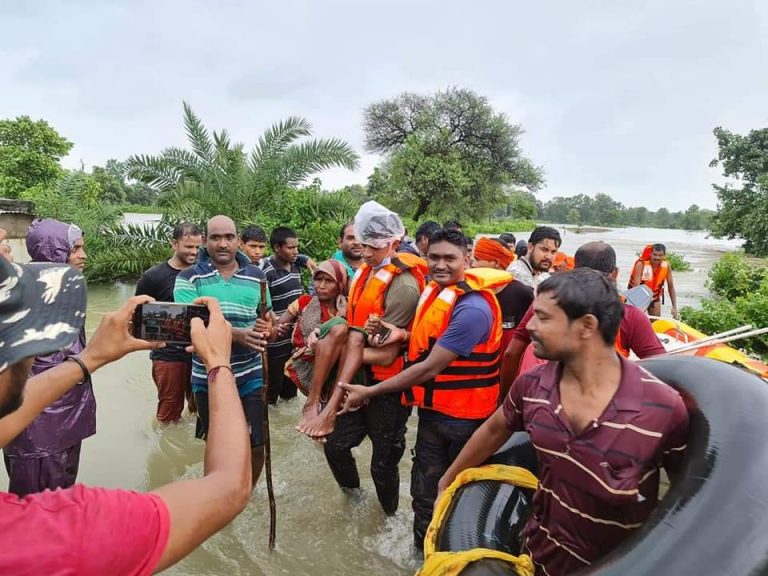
column 224, row 273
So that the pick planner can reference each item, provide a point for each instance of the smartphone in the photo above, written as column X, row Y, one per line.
column 168, row 322
column 383, row 334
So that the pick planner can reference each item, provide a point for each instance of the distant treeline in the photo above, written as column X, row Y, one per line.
column 602, row 210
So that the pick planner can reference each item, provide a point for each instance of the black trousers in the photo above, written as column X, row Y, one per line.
column 383, row 420
column 438, row 443
column 280, row 386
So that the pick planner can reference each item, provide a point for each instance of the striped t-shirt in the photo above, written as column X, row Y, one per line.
column 240, row 300
column 284, row 286
column 598, row 486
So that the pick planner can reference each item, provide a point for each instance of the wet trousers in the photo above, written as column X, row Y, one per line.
column 173, row 381
column 383, row 420
column 438, row 442
column 32, row 475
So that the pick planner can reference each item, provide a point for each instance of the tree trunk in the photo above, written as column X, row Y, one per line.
column 422, row 209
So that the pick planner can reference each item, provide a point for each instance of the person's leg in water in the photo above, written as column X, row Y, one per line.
column 327, row 353
column 349, row 432
column 349, row 363
column 385, row 420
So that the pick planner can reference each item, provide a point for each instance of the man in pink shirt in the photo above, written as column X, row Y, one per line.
column 90, row 531
column 635, row 331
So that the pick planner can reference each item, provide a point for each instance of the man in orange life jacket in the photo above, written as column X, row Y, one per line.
column 453, row 372
column 653, row 270
column 385, row 288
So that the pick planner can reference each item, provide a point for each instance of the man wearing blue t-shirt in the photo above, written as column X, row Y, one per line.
column 453, row 372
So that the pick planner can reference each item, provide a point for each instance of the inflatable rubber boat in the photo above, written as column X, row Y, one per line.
column 713, row 519
column 674, row 334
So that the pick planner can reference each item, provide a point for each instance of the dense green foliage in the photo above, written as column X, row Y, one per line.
column 602, row 210
column 447, row 154
column 29, row 155
column 678, row 263
column 743, row 207
column 740, row 296
column 216, row 176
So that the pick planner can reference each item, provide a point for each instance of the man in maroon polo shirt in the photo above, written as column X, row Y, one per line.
column 601, row 425
column 635, row 331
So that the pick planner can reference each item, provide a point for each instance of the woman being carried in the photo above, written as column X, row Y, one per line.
column 310, row 366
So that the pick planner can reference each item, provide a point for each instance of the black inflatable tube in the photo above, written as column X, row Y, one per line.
column 714, row 519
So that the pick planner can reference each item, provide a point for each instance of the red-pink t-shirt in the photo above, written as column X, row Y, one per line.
column 82, row 531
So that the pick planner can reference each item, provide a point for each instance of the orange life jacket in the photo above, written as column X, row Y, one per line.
column 467, row 387
column 654, row 280
column 367, row 296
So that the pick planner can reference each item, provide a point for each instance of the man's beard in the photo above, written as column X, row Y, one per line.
column 15, row 395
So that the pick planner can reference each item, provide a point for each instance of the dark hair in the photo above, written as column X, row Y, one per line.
column 470, row 240
column 521, row 248
column 186, row 229
column 450, row 235
column 344, row 228
column 280, row 236
column 452, row 224
column 597, row 256
column 584, row 291
column 508, row 238
column 659, row 248
column 253, row 234
column 500, row 241
column 541, row 233
column 426, row 229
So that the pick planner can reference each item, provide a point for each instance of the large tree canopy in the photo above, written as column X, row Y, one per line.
column 447, row 153
column 29, row 155
column 743, row 210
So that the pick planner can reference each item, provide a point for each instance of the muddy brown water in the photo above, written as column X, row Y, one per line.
column 321, row 530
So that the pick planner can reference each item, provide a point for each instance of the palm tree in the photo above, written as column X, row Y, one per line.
column 216, row 176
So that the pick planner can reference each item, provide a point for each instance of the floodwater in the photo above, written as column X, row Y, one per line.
column 320, row 530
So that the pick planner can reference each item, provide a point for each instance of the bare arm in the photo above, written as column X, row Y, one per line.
column 637, row 274
column 672, row 293
column 111, row 341
column 481, row 446
column 439, row 359
column 224, row 490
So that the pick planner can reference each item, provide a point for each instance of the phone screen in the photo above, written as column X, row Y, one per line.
column 167, row 321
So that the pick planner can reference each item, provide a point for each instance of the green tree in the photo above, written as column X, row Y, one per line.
column 447, row 153
column 30, row 152
column 743, row 207
column 573, row 217
column 215, row 176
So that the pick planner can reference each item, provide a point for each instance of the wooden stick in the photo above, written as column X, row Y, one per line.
column 267, row 447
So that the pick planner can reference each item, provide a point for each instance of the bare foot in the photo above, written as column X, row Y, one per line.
column 308, row 413
column 320, row 425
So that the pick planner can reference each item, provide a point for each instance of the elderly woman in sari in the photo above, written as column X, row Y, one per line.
column 311, row 365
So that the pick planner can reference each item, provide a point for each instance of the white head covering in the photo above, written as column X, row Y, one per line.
column 377, row 226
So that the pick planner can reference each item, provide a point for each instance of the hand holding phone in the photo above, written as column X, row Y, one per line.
column 168, row 322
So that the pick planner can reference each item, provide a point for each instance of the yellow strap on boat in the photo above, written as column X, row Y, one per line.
column 453, row 563
column 508, row 474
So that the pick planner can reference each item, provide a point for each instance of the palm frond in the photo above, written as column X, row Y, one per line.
column 197, row 135
column 278, row 137
column 155, row 171
column 300, row 161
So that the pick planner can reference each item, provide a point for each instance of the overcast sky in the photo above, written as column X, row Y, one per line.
column 615, row 96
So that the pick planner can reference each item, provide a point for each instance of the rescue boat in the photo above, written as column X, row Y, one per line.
column 677, row 336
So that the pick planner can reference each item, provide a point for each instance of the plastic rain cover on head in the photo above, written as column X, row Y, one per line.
column 377, row 226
